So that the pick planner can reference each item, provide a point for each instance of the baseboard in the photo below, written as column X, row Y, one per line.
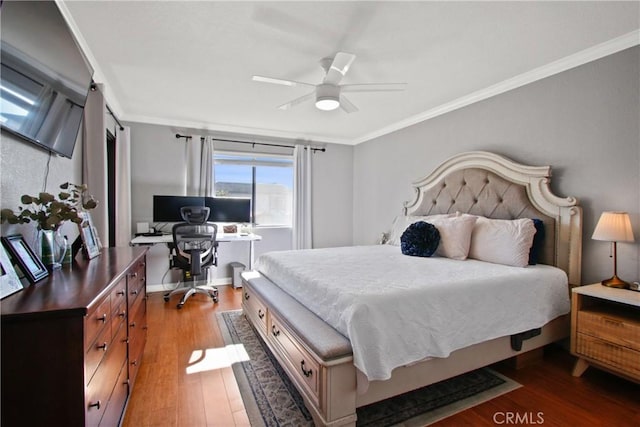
column 165, row 287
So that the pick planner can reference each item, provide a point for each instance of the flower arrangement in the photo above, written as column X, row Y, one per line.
column 49, row 211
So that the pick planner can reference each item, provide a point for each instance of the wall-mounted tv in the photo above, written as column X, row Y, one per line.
column 45, row 78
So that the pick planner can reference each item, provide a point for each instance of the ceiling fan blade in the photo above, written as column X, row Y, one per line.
column 347, row 105
column 291, row 83
column 374, row 87
column 339, row 67
column 297, row 101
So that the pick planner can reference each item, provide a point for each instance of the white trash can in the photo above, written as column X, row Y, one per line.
column 237, row 268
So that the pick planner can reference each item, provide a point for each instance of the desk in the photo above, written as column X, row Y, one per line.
column 220, row 237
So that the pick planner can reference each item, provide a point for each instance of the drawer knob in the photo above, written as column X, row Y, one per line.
column 246, row 296
column 102, row 346
column 274, row 331
column 307, row 373
column 260, row 314
column 95, row 405
column 134, row 363
column 120, row 292
column 133, row 324
column 102, row 318
column 134, row 292
column 122, row 313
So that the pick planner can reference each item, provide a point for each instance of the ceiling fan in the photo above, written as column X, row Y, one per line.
column 329, row 94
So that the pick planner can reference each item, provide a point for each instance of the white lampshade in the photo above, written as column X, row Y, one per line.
column 613, row 227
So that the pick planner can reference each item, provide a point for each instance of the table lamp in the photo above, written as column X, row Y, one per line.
column 614, row 227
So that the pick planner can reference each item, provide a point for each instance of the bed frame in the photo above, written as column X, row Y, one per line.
column 319, row 360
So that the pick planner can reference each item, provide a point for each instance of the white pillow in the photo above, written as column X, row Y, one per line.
column 455, row 235
column 502, row 241
column 401, row 222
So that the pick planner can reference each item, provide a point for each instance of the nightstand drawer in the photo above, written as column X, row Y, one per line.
column 617, row 356
column 611, row 327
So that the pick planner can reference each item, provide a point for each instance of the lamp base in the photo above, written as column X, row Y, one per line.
column 615, row 282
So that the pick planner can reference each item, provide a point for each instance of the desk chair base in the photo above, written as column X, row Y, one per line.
column 192, row 289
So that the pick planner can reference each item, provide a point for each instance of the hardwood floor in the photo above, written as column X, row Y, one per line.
column 171, row 390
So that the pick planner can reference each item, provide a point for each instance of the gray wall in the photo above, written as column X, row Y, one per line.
column 583, row 122
column 158, row 167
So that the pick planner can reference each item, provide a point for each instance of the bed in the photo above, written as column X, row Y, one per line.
column 329, row 330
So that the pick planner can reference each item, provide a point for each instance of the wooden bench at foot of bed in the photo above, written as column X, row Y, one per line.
column 319, row 360
column 316, row 357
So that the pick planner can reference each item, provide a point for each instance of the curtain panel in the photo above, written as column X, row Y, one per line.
column 302, row 236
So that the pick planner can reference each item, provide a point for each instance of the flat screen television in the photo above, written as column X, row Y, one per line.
column 45, row 78
column 229, row 209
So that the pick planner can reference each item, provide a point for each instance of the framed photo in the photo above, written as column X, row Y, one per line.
column 90, row 239
column 9, row 281
column 26, row 259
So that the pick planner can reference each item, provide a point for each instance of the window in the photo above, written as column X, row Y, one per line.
column 266, row 179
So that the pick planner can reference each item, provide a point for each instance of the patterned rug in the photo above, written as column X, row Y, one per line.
column 271, row 399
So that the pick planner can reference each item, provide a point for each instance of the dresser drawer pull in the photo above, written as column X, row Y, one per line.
column 95, row 405
column 102, row 318
column 260, row 314
column 307, row 373
column 612, row 321
column 134, row 292
column 134, row 275
column 134, row 363
column 102, row 347
column 133, row 324
column 122, row 313
column 121, row 293
column 246, row 296
column 274, row 331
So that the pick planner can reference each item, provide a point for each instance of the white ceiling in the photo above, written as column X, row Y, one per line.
column 189, row 64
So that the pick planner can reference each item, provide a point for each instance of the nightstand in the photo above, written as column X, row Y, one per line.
column 605, row 330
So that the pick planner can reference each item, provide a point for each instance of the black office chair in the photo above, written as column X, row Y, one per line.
column 194, row 249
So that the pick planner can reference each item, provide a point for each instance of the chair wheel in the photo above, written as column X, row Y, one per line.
column 179, row 306
column 166, row 298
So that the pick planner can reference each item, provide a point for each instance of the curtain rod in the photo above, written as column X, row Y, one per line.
column 254, row 143
column 114, row 117
column 93, row 87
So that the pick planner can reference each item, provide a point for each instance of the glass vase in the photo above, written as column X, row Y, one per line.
column 52, row 248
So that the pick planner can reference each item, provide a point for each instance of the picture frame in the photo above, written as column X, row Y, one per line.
column 25, row 258
column 9, row 280
column 90, row 239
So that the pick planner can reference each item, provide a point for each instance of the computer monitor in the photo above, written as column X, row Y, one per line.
column 167, row 208
column 229, row 209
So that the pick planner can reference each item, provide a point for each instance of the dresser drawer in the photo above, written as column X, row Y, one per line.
column 619, row 357
column 119, row 293
column 253, row 307
column 96, row 352
column 113, row 412
column 104, row 380
column 302, row 365
column 96, row 320
column 137, row 340
column 609, row 326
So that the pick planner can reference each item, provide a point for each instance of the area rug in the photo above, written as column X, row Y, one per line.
column 271, row 399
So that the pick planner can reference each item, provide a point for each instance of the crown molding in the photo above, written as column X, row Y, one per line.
column 580, row 58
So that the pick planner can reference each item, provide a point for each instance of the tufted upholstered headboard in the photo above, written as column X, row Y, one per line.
column 483, row 183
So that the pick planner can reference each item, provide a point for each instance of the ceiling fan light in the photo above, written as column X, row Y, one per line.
column 327, row 103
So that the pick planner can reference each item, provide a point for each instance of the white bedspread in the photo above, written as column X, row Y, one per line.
column 398, row 309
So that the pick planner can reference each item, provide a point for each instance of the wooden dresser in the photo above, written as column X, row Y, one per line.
column 605, row 330
column 72, row 343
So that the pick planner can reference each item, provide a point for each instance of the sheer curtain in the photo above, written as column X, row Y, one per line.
column 302, row 236
column 123, row 186
column 199, row 171
column 94, row 159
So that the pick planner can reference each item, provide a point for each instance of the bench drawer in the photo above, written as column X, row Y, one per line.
column 254, row 308
column 301, row 364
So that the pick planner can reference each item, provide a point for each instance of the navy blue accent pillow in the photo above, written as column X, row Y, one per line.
column 420, row 239
column 538, row 242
